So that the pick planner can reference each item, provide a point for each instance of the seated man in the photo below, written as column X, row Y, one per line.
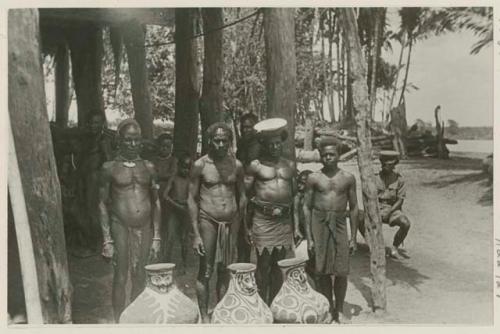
column 391, row 194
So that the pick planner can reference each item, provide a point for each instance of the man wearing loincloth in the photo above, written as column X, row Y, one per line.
column 129, row 212
column 216, row 201
column 391, row 190
column 272, row 181
column 327, row 193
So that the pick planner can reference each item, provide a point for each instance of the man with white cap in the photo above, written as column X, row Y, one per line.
column 271, row 179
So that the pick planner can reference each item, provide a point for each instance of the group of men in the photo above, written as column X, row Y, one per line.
column 233, row 204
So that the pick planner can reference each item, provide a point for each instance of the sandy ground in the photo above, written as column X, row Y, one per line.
column 446, row 279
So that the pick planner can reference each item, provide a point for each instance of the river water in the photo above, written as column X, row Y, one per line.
column 477, row 146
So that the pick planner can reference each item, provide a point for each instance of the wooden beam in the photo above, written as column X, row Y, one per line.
column 37, row 166
column 62, row 84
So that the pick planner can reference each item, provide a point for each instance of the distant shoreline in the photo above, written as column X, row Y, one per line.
column 470, row 133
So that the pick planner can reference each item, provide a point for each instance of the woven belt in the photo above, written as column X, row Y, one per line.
column 271, row 209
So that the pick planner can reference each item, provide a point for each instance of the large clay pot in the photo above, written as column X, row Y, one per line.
column 241, row 303
column 161, row 302
column 297, row 302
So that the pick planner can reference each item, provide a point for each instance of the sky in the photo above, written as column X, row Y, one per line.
column 448, row 75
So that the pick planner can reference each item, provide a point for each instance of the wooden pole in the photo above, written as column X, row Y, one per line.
column 361, row 102
column 62, row 85
column 23, row 234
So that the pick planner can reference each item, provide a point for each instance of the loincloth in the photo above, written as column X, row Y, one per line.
column 271, row 232
column 225, row 248
column 331, row 243
column 391, row 218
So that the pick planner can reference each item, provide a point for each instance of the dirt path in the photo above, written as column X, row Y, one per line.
column 448, row 277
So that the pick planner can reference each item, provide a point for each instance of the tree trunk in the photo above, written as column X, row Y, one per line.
column 373, row 221
column 211, row 108
column 441, row 147
column 186, row 83
column 340, row 79
column 63, row 97
column 349, row 107
column 377, row 43
column 281, row 69
column 400, row 61
column 309, row 129
column 405, row 80
column 133, row 37
column 85, row 43
column 35, row 155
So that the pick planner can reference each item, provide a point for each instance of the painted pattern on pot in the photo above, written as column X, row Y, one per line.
column 161, row 302
column 241, row 303
column 297, row 302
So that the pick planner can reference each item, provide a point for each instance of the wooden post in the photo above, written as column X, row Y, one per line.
column 213, row 71
column 62, row 84
column 133, row 36
column 186, row 83
column 361, row 102
column 37, row 166
column 85, row 43
column 281, row 69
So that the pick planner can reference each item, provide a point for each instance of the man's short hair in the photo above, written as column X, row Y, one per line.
column 250, row 117
column 163, row 136
column 329, row 141
column 126, row 123
column 304, row 173
column 212, row 129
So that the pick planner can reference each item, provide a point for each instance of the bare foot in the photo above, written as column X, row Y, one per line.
column 342, row 319
column 394, row 253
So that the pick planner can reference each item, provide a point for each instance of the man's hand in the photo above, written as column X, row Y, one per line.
column 248, row 237
column 353, row 246
column 298, row 236
column 154, row 252
column 108, row 250
column 310, row 246
column 198, row 246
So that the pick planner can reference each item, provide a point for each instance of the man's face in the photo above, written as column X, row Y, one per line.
column 220, row 142
column 184, row 166
column 274, row 146
column 130, row 141
column 165, row 148
column 95, row 124
column 247, row 128
column 388, row 166
column 329, row 156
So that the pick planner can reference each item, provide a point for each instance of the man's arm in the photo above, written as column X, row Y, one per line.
column 308, row 196
column 353, row 212
column 104, row 186
column 155, row 201
column 166, row 192
column 249, row 180
column 241, row 191
column 296, row 216
column 193, row 193
column 401, row 196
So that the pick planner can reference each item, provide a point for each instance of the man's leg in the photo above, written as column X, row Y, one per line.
column 324, row 286
column 119, row 234
column 222, row 282
column 171, row 234
column 208, row 234
column 276, row 275
column 183, row 228
column 263, row 275
column 340, row 290
column 140, row 246
column 404, row 226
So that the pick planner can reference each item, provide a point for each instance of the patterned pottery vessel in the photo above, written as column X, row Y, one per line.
column 297, row 302
column 161, row 302
column 241, row 303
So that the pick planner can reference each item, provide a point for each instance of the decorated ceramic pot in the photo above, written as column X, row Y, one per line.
column 161, row 302
column 241, row 303
column 297, row 302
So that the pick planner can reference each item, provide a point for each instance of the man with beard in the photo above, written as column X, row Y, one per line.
column 327, row 193
column 129, row 211
column 272, row 179
column 216, row 200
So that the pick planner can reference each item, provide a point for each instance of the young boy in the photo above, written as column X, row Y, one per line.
column 177, row 217
column 328, row 192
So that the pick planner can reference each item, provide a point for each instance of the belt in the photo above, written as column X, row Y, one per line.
column 272, row 209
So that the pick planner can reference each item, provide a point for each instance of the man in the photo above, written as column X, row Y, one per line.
column 391, row 190
column 129, row 211
column 272, row 179
column 248, row 150
column 216, row 201
column 327, row 193
column 164, row 161
column 177, row 219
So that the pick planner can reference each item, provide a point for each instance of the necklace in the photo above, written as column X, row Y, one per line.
column 129, row 164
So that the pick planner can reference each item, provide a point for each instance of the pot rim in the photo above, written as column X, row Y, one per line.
column 160, row 267
column 293, row 262
column 242, row 267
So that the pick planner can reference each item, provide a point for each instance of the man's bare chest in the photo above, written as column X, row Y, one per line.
column 127, row 176
column 222, row 175
column 267, row 173
column 337, row 185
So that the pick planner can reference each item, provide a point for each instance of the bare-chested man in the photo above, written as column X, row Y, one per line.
column 272, row 180
column 177, row 224
column 129, row 211
column 216, row 200
column 165, row 162
column 327, row 193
